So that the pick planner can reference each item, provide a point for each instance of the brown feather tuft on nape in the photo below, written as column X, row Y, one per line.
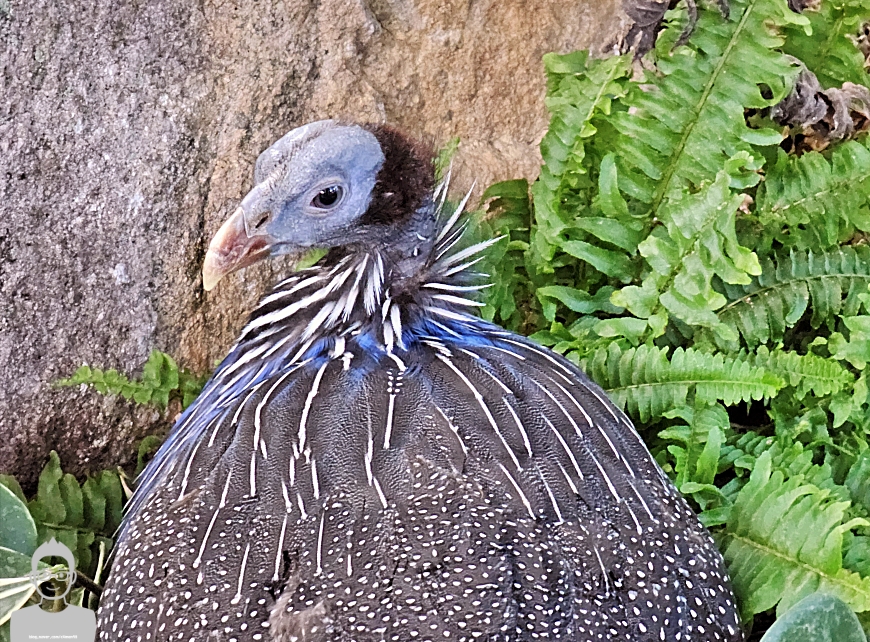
column 406, row 178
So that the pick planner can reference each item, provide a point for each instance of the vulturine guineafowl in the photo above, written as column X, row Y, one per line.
column 373, row 462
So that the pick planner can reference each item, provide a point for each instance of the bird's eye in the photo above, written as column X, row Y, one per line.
column 328, row 197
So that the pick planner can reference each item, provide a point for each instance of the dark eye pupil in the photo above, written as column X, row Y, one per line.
column 327, row 197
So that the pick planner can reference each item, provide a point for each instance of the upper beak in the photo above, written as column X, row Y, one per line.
column 232, row 249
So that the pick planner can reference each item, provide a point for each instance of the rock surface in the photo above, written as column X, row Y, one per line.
column 129, row 131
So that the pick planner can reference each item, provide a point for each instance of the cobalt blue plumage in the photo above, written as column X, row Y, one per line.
column 374, row 462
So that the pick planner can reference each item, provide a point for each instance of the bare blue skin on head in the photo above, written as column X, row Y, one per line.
column 296, row 168
column 285, row 212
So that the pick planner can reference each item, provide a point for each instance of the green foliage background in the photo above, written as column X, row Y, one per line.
column 712, row 278
column 715, row 285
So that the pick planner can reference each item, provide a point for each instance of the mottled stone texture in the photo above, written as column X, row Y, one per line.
column 129, row 130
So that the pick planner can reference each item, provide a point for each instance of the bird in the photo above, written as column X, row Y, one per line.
column 373, row 461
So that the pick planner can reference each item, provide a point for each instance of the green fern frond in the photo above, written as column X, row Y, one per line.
column 697, row 451
column 508, row 215
column 77, row 515
column 161, row 380
column 812, row 203
column 741, row 451
column 579, row 89
column 830, row 51
column 697, row 242
column 856, row 555
column 828, row 283
column 647, row 383
column 806, row 373
column 742, row 445
column 858, row 481
column 784, row 541
column 688, row 119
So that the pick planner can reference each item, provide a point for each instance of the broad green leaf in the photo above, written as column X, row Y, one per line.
column 71, row 495
column 94, row 505
column 817, row 618
column 17, row 528
column 578, row 300
column 611, row 201
column 110, row 486
column 610, row 262
column 12, row 484
column 628, row 327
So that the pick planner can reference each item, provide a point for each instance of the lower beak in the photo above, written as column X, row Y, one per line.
column 232, row 249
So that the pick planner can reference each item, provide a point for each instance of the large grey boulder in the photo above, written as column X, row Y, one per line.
column 129, row 130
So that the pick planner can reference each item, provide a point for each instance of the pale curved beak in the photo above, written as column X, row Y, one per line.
column 232, row 249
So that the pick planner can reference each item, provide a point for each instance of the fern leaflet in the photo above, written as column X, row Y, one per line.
column 787, row 286
column 784, row 540
column 579, row 90
column 161, row 380
column 646, row 383
column 689, row 119
column 828, row 50
column 812, row 203
column 806, row 373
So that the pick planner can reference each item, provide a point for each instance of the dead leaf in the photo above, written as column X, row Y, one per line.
column 819, row 116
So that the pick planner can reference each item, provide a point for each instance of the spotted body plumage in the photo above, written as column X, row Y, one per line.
column 373, row 462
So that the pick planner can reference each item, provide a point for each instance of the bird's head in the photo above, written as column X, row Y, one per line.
column 326, row 184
